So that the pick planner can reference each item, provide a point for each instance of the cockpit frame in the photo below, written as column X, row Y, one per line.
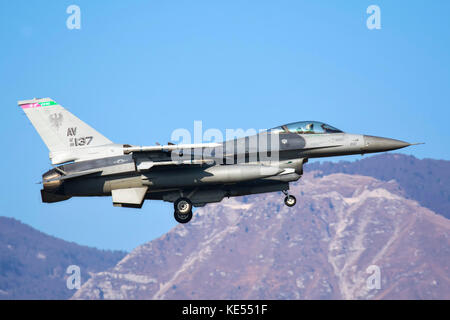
column 306, row 127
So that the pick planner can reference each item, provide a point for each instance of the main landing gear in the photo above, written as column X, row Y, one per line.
column 289, row 200
column 183, row 207
column 183, row 210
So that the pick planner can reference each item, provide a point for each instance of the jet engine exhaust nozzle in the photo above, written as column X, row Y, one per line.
column 50, row 181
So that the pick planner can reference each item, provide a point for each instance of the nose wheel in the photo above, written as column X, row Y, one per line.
column 183, row 210
column 289, row 200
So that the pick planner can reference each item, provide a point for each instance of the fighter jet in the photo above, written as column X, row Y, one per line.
column 86, row 163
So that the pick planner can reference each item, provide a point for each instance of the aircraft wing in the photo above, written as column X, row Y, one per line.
column 169, row 147
column 147, row 157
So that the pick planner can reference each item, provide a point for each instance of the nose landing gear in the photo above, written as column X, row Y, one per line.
column 289, row 200
column 183, row 210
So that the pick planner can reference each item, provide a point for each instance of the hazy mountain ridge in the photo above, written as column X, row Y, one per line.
column 256, row 248
column 424, row 180
column 33, row 265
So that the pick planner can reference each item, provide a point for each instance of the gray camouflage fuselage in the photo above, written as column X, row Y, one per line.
column 243, row 171
column 188, row 174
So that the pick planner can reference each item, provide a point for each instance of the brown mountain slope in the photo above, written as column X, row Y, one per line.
column 257, row 248
column 424, row 180
column 33, row 265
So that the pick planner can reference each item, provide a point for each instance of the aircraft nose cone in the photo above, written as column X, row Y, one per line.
column 379, row 144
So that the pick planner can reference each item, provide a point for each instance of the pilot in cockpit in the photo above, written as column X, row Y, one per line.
column 309, row 128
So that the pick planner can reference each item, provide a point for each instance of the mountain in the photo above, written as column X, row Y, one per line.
column 426, row 180
column 33, row 265
column 254, row 247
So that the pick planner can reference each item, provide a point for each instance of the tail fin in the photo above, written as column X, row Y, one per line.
column 60, row 129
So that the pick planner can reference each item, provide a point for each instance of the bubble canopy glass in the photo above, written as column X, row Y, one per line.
column 306, row 127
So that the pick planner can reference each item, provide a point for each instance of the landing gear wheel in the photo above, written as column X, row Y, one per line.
column 182, row 218
column 290, row 201
column 183, row 210
column 183, row 205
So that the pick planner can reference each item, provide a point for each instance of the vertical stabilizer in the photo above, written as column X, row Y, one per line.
column 60, row 129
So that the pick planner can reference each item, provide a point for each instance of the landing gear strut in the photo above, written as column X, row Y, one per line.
column 289, row 200
column 183, row 210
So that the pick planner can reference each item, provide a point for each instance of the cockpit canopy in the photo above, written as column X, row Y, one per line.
column 306, row 127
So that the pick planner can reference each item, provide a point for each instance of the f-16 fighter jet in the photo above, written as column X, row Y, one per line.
column 86, row 163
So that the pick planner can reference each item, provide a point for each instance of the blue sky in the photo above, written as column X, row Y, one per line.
column 137, row 70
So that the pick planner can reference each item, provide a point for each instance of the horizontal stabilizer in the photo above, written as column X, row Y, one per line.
column 130, row 197
column 75, row 175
